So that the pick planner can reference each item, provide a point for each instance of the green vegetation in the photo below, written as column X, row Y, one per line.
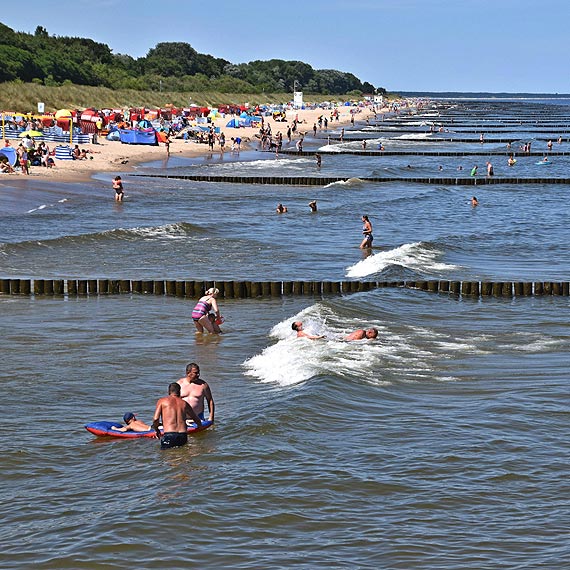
column 173, row 68
column 24, row 97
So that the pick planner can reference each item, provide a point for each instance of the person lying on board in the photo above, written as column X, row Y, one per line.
column 361, row 334
column 132, row 424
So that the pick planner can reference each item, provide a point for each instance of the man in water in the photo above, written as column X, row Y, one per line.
column 194, row 391
column 361, row 334
column 173, row 411
column 298, row 326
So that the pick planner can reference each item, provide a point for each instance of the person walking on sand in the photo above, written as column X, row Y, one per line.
column 118, row 188
column 200, row 313
column 172, row 411
column 367, row 233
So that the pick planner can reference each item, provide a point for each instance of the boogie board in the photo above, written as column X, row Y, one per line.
column 545, row 162
column 104, row 429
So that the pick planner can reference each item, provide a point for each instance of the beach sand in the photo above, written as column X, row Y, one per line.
column 115, row 157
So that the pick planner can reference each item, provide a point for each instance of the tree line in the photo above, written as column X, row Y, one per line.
column 172, row 66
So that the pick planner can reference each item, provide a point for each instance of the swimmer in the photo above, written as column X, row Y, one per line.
column 298, row 326
column 362, row 334
column 474, row 201
column 132, row 424
column 281, row 209
column 118, row 188
column 313, row 205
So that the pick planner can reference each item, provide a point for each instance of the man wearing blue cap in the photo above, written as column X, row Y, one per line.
column 132, row 424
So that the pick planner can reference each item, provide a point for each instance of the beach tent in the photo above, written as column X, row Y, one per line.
column 233, row 123
column 10, row 153
column 138, row 136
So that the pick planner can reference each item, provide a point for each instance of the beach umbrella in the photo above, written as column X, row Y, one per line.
column 66, row 114
column 24, row 134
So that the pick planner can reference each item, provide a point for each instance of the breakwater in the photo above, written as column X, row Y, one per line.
column 250, row 289
column 324, row 180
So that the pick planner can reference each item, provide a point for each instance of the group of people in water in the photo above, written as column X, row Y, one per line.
column 184, row 406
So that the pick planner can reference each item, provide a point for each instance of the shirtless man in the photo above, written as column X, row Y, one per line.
column 194, row 391
column 362, row 334
column 132, row 424
column 173, row 411
column 298, row 326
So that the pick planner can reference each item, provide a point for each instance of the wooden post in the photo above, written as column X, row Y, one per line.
column 475, row 291
column 92, row 286
column 5, row 287
column 497, row 289
column 455, row 287
column 71, row 287
column 159, row 288
column 103, row 286
column 557, row 288
column 466, row 287
column 519, row 289
column 433, row 286
column 239, row 290
column 82, row 287
column 48, row 287
column 58, row 287
column 507, row 289
column 566, row 288
column 538, row 288
column 547, row 287
column 255, row 289
column 38, row 286
column 266, row 288
column 444, row 286
column 486, row 288
column 148, row 287
column 125, row 286
column 336, row 287
column 287, row 288
column 181, row 288
column 171, row 288
column 190, row 290
column 527, row 289
column 136, row 286
column 276, row 288
column 297, row 288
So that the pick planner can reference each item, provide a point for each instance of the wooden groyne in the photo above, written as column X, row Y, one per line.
column 325, row 180
column 252, row 289
column 359, row 152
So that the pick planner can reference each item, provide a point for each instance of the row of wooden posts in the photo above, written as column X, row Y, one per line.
column 248, row 289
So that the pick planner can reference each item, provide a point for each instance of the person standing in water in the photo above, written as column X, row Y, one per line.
column 200, row 313
column 367, row 233
column 118, row 188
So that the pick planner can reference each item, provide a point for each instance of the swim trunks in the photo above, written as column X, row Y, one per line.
column 173, row 439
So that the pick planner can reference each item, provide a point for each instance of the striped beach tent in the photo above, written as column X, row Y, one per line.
column 63, row 152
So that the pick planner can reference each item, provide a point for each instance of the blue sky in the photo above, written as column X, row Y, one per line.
column 406, row 45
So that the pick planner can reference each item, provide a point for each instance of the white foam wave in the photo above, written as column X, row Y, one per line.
column 415, row 256
column 349, row 182
column 42, row 207
column 168, row 231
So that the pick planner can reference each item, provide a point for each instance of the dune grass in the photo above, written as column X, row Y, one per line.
column 24, row 97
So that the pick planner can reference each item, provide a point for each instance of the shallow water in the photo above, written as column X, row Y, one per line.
column 441, row 444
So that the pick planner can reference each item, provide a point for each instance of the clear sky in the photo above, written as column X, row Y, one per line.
column 402, row 45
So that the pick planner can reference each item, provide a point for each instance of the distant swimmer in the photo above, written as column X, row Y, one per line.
column 367, row 232
column 313, row 205
column 362, row 334
column 512, row 161
column 319, row 159
column 490, row 171
column 298, row 326
column 474, row 201
column 545, row 159
column 281, row 209
column 474, row 170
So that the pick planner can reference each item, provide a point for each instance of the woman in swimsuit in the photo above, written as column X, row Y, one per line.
column 118, row 188
column 202, row 309
column 367, row 232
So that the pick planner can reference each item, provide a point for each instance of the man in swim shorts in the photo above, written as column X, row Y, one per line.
column 173, row 411
column 194, row 391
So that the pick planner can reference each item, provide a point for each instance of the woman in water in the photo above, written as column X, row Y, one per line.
column 367, row 232
column 202, row 309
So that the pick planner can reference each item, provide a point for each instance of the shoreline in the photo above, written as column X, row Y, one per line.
column 118, row 158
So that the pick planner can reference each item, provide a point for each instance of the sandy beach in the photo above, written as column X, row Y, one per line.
column 113, row 156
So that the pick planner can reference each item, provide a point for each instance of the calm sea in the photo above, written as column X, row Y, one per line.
column 443, row 444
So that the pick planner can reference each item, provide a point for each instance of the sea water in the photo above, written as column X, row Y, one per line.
column 441, row 444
